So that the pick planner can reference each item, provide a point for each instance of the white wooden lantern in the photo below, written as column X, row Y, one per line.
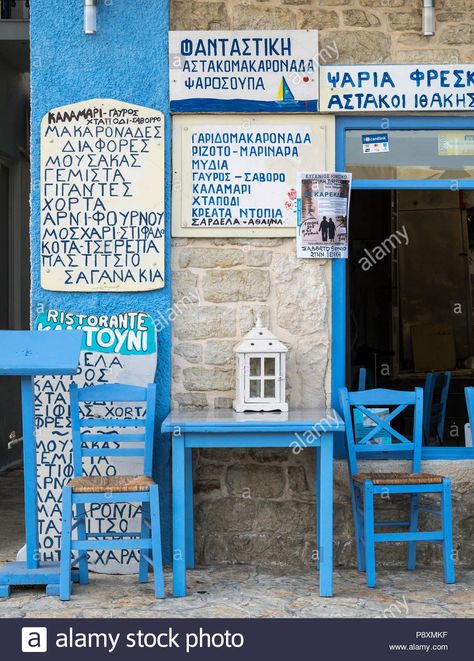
column 260, row 371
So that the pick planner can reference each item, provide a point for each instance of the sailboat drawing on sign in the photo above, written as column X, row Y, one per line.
column 284, row 93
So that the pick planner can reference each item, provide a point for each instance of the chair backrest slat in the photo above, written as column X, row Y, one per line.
column 111, row 438
column 111, row 443
column 105, row 422
column 116, row 452
column 392, row 440
column 112, row 392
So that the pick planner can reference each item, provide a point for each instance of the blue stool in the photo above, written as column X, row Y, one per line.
column 82, row 489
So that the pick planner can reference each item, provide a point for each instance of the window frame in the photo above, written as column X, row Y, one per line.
column 339, row 270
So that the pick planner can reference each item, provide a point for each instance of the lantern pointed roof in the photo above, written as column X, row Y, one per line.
column 260, row 340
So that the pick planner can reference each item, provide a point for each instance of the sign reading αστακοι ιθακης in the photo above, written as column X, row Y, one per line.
column 102, row 197
column 244, row 71
column 397, row 87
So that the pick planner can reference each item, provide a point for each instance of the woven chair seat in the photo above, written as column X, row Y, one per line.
column 398, row 478
column 115, row 483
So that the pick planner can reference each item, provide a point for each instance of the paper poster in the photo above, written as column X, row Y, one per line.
column 244, row 71
column 456, row 143
column 323, row 214
column 102, row 197
column 118, row 348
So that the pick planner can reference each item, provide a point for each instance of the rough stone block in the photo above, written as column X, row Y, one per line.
column 385, row 3
column 297, row 480
column 317, row 19
column 191, row 400
column 198, row 15
column 358, row 46
column 268, row 455
column 252, row 481
column 255, row 243
column 429, row 56
column 223, row 402
column 205, row 321
column 219, row 352
column 405, row 20
column 359, row 19
column 262, row 18
column 203, row 378
column 226, row 514
column 236, row 285
column 185, row 286
column 209, row 258
column 458, row 35
column 190, row 351
column 258, row 258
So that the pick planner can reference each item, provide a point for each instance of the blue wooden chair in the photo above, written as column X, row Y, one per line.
column 435, row 399
column 365, row 486
column 82, row 489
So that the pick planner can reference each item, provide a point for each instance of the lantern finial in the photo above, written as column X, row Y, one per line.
column 259, row 323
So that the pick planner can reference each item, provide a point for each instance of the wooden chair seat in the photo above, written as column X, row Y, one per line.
column 115, row 483
column 398, row 478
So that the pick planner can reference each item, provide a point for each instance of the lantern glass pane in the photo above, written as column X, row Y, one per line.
column 269, row 367
column 255, row 366
column 269, row 388
column 255, row 387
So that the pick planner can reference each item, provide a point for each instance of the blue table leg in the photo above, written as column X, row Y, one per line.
column 325, row 497
column 179, row 515
column 188, row 452
column 30, row 488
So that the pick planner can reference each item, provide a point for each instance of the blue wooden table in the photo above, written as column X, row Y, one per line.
column 224, row 428
column 29, row 354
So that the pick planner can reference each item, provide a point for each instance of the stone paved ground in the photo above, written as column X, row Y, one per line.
column 236, row 590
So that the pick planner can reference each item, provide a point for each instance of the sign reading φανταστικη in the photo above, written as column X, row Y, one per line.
column 238, row 178
column 397, row 87
column 244, row 71
column 116, row 348
column 102, row 197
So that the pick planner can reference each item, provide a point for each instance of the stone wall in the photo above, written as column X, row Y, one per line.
column 255, row 506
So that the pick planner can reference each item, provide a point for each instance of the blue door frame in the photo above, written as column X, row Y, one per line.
column 339, row 294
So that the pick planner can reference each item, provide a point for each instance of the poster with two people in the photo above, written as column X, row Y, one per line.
column 323, row 214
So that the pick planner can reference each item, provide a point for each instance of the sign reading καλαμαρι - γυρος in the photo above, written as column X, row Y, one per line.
column 102, row 197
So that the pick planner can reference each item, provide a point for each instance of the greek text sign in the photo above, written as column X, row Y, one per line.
column 248, row 70
column 397, row 87
column 102, row 197
column 234, row 177
column 118, row 348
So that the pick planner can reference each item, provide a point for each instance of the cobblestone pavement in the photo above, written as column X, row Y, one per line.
column 243, row 591
column 236, row 590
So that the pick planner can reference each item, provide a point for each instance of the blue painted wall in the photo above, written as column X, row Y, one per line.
column 126, row 60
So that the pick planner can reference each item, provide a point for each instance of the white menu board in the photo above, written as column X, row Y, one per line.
column 235, row 176
column 102, row 197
